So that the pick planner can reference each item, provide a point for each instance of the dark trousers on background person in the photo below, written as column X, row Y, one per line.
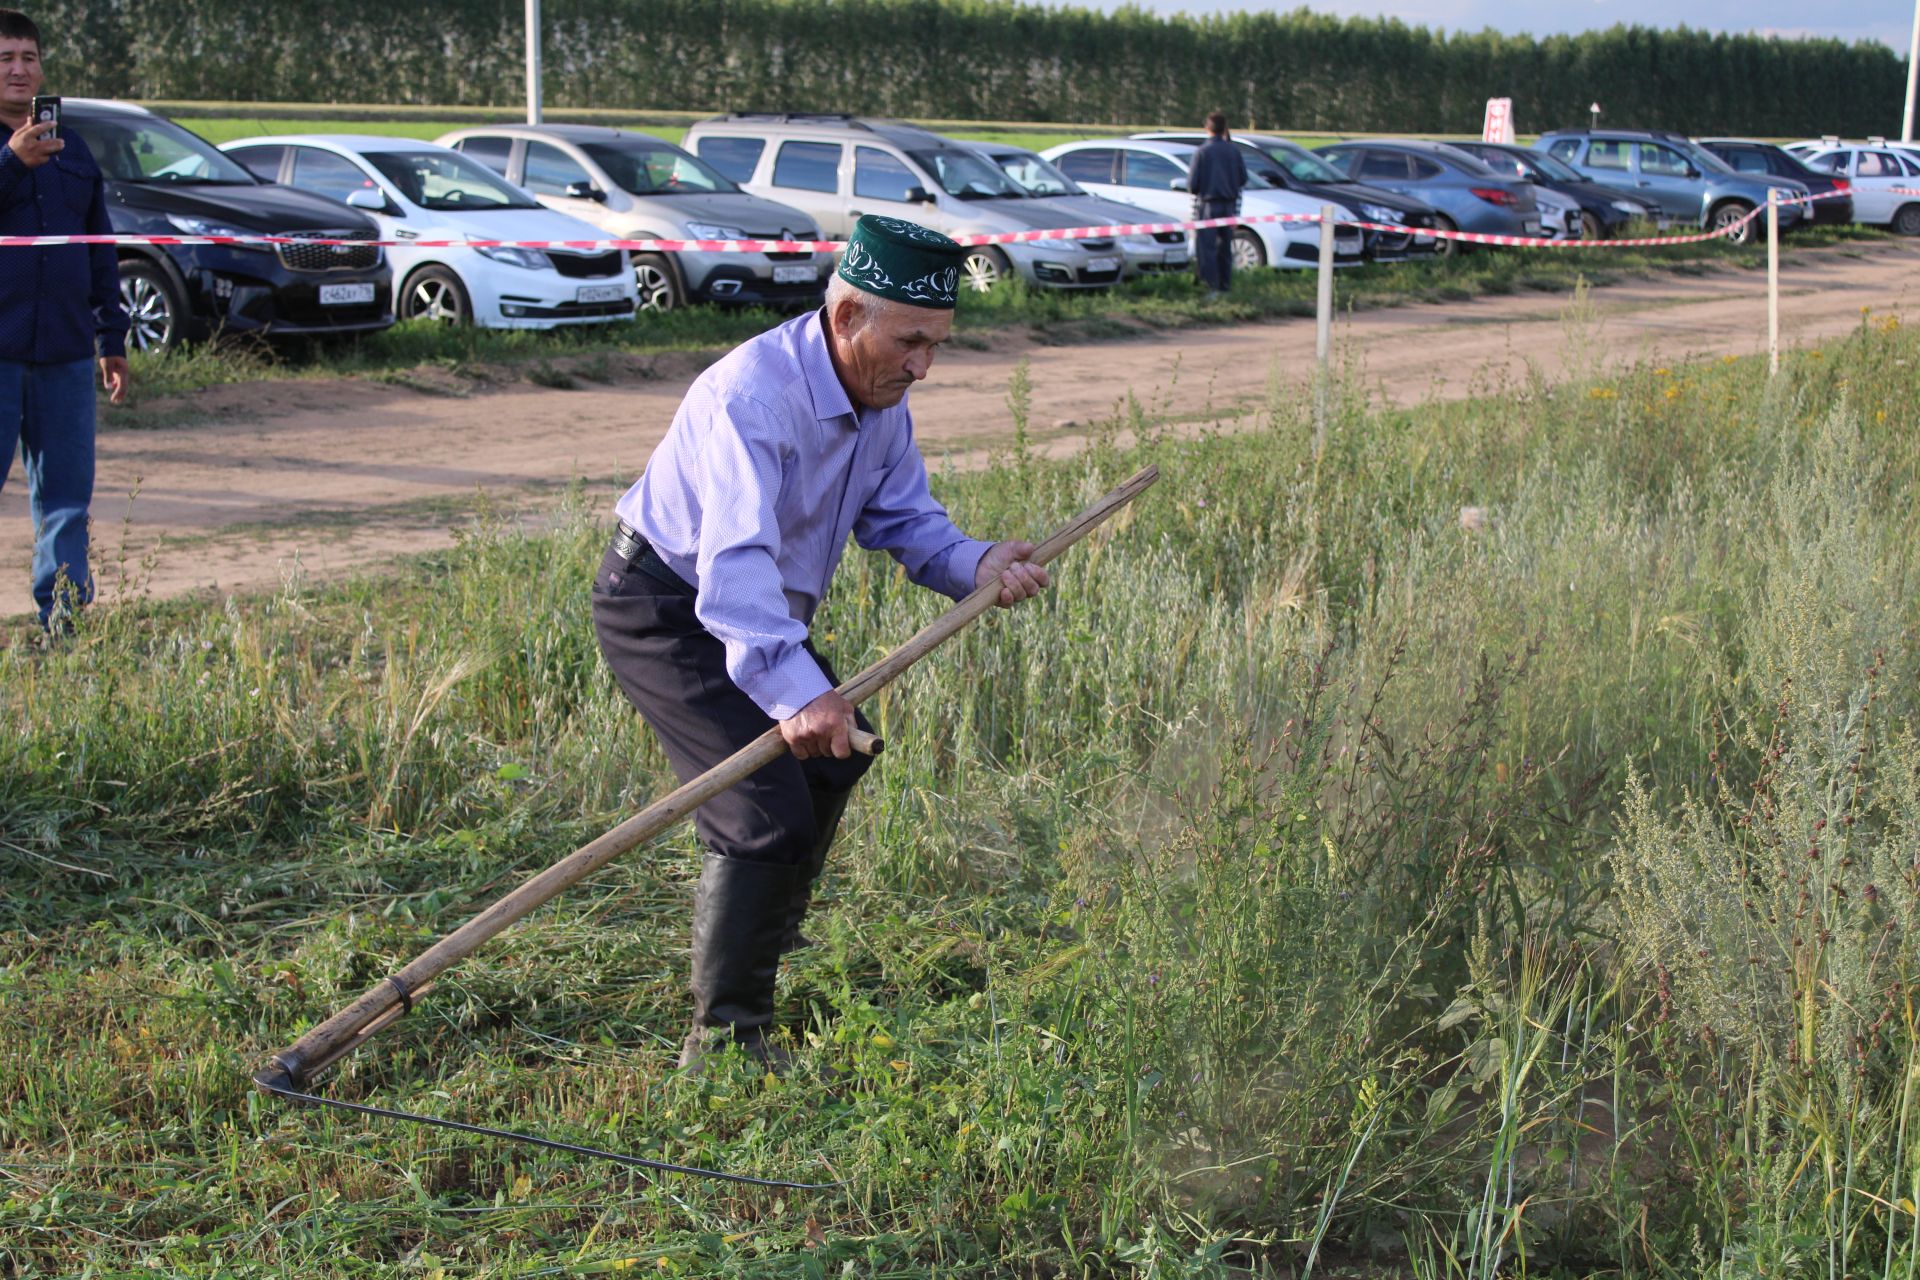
column 767, row 837
column 47, row 409
column 1213, row 246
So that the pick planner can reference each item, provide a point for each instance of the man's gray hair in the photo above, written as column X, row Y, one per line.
column 870, row 304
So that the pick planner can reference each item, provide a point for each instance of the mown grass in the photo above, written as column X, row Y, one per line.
column 1487, row 848
column 1048, row 315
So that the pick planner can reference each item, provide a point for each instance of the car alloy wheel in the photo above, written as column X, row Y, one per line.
column 1726, row 215
column 1248, row 252
column 659, row 292
column 153, row 316
column 434, row 295
column 1907, row 220
column 1443, row 248
column 984, row 268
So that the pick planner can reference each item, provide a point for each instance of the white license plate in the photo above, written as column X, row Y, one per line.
column 599, row 293
column 1533, row 226
column 345, row 295
column 1177, row 257
column 1103, row 264
column 796, row 275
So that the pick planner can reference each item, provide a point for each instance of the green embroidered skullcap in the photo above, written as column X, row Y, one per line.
column 904, row 261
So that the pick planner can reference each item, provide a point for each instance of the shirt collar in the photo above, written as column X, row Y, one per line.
column 830, row 399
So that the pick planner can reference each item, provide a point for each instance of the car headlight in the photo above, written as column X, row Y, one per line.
column 1380, row 213
column 713, row 231
column 192, row 226
column 531, row 259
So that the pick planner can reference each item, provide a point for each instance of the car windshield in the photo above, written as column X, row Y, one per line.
column 967, row 176
column 1035, row 175
column 1302, row 163
column 447, row 180
column 656, row 171
column 1556, row 168
column 148, row 149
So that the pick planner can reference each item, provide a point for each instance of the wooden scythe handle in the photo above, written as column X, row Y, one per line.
column 346, row 1030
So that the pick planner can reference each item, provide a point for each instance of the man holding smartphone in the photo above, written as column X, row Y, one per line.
column 60, row 312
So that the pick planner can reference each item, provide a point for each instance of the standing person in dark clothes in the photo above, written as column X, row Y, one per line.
column 1219, row 176
column 59, row 311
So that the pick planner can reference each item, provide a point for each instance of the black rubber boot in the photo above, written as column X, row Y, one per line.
column 739, row 914
column 827, row 808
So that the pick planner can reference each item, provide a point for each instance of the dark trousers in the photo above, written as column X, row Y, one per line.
column 674, row 672
column 48, row 410
column 1213, row 246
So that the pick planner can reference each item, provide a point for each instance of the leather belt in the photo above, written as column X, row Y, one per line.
column 640, row 555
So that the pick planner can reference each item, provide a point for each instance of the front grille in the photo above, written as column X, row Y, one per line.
column 586, row 266
column 1096, row 246
column 788, row 257
column 328, row 257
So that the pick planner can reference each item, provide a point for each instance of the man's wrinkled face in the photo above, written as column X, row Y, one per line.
column 20, row 74
column 885, row 351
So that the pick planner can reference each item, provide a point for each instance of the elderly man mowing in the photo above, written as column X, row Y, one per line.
column 725, row 548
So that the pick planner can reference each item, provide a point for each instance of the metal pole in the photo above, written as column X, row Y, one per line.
column 533, row 61
column 1323, row 338
column 1913, row 74
column 1773, row 281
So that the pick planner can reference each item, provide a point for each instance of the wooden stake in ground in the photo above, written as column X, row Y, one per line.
column 348, row 1029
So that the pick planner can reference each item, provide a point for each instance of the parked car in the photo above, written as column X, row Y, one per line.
column 418, row 191
column 1465, row 194
column 1833, row 205
column 163, row 180
column 834, row 168
column 1686, row 182
column 1878, row 177
column 1604, row 211
column 1147, row 253
column 1153, row 175
column 1290, row 166
column 634, row 186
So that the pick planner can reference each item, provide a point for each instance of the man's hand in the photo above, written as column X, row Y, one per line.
column 31, row 143
column 114, row 378
column 1019, row 580
column 820, row 728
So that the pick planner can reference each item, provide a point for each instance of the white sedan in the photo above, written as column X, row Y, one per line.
column 418, row 191
column 1153, row 175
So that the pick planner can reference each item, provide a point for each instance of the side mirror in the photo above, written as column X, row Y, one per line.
column 1692, row 172
column 919, row 195
column 584, row 191
column 1178, row 184
column 371, row 198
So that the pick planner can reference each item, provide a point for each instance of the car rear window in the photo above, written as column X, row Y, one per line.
column 737, row 158
column 808, row 166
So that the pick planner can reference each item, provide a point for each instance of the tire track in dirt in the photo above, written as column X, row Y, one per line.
column 334, row 475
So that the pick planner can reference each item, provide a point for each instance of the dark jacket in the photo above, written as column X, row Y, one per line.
column 59, row 304
column 1218, row 176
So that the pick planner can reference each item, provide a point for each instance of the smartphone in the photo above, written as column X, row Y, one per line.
column 46, row 110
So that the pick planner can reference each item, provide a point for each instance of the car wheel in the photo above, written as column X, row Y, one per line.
column 659, row 285
column 1443, row 248
column 155, row 315
column 1590, row 228
column 435, row 293
column 1248, row 252
column 1907, row 220
column 985, row 267
column 1729, row 213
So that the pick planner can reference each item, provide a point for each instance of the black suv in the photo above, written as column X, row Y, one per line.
column 163, row 180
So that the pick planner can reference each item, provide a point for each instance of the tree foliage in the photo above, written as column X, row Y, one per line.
column 970, row 59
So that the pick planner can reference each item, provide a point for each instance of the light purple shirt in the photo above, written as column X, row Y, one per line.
column 750, row 497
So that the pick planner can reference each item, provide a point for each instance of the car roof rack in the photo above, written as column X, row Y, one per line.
column 1582, row 131
column 843, row 118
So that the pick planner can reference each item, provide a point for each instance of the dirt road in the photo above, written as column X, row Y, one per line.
column 336, row 474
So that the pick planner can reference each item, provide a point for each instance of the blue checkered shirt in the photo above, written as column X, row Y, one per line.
column 767, row 468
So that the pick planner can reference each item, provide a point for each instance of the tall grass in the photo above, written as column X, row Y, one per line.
column 1318, row 875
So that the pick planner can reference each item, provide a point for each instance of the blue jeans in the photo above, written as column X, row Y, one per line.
column 49, row 409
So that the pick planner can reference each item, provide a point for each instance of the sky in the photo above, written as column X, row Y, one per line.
column 1890, row 21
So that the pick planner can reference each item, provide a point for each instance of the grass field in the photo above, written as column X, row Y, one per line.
column 1486, row 849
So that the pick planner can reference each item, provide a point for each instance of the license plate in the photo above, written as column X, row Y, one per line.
column 796, row 275
column 1177, row 257
column 599, row 293
column 1533, row 226
column 344, row 295
column 1103, row 264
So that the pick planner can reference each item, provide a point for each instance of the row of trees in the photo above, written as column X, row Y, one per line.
column 968, row 59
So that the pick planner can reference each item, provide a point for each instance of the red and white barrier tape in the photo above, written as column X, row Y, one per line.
column 834, row 246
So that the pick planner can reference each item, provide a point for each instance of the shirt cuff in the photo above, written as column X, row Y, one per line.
column 112, row 342
column 791, row 685
column 963, row 565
